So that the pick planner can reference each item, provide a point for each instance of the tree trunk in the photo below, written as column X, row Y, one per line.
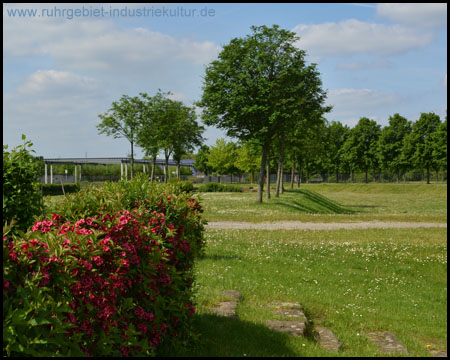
column 152, row 177
column 353, row 175
column 264, row 156
column 292, row 171
column 251, row 177
column 282, row 178
column 398, row 176
column 299, row 180
column 268, row 176
column 428, row 175
column 278, row 182
column 166, row 166
column 337, row 177
column 307, row 175
column 178, row 170
column 132, row 160
column 367, row 175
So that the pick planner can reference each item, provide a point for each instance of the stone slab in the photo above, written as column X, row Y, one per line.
column 228, row 308
column 326, row 338
column 439, row 353
column 295, row 328
column 387, row 342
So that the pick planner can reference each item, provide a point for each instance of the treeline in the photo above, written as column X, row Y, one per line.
column 333, row 149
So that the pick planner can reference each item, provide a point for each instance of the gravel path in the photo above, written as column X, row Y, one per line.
column 298, row 225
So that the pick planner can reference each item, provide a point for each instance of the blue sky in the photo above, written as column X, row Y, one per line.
column 67, row 63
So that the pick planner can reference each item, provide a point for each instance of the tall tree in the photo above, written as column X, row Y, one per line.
column 122, row 120
column 336, row 134
column 201, row 160
column 440, row 146
column 390, row 144
column 150, row 135
column 419, row 144
column 362, row 145
column 249, row 90
column 187, row 134
column 248, row 158
column 221, row 157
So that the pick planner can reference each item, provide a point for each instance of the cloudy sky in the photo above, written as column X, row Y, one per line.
column 65, row 64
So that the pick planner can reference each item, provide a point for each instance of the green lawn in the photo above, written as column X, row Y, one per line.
column 351, row 281
column 334, row 202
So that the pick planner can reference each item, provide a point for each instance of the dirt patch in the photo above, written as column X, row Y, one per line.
column 298, row 225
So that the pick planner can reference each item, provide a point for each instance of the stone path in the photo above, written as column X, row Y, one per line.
column 298, row 225
column 387, row 342
column 296, row 323
column 228, row 308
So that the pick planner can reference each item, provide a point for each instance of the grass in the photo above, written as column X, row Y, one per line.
column 334, row 203
column 351, row 281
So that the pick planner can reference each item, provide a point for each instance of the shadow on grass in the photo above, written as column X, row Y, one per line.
column 231, row 337
column 315, row 203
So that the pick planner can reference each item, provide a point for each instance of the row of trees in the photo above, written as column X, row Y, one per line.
column 156, row 124
column 395, row 149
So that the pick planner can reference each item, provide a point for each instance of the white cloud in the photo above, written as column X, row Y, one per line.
column 55, row 83
column 361, row 65
column 356, row 37
column 349, row 105
column 99, row 45
column 419, row 15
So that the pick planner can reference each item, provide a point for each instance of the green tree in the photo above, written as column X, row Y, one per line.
column 255, row 85
column 201, row 160
column 336, row 134
column 151, row 124
column 122, row 120
column 420, row 143
column 440, row 146
column 390, row 145
column 362, row 146
column 187, row 135
column 222, row 157
column 248, row 158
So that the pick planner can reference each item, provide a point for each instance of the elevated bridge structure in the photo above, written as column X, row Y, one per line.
column 124, row 163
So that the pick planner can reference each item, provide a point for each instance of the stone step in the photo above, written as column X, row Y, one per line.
column 228, row 308
column 326, row 338
column 387, row 342
column 297, row 325
column 292, row 327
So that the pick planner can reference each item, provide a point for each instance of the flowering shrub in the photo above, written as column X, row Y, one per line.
column 114, row 283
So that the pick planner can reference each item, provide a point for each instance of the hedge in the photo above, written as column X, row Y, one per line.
column 56, row 189
column 110, row 283
column 216, row 187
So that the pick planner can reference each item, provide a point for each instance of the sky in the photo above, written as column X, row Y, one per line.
column 64, row 64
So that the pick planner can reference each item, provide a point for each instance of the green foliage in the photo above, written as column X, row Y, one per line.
column 101, row 282
column 22, row 198
column 56, row 189
column 391, row 142
column 216, row 187
column 201, row 160
column 184, row 186
column 222, row 157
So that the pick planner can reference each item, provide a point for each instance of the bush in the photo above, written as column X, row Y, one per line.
column 185, row 186
column 22, row 198
column 117, row 283
column 56, row 189
column 216, row 187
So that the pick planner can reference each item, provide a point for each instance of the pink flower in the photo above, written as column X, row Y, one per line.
column 98, row 260
column 24, row 246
